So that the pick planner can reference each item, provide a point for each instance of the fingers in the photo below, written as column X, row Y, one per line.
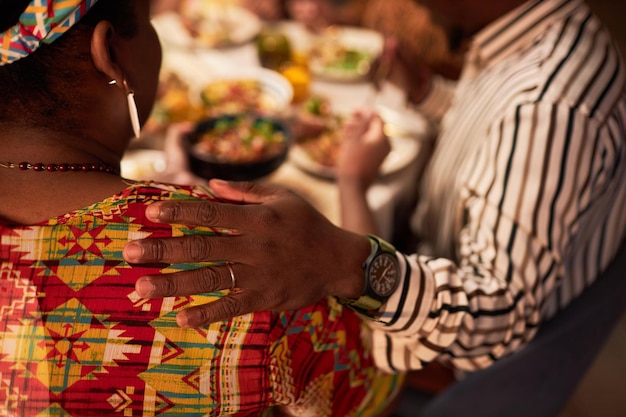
column 245, row 222
column 243, row 192
column 364, row 125
column 357, row 124
column 211, row 214
column 198, row 213
column 204, row 280
column 214, row 214
column 195, row 248
column 234, row 304
column 377, row 127
column 180, row 284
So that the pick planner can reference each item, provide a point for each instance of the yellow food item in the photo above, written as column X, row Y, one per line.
column 300, row 80
column 178, row 107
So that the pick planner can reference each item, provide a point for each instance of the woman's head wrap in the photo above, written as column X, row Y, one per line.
column 43, row 21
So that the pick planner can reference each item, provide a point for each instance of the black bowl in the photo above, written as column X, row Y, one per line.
column 209, row 166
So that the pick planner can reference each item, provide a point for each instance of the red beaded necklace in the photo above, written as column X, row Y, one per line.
column 41, row 167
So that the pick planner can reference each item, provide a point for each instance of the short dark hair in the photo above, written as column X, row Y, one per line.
column 11, row 11
column 35, row 90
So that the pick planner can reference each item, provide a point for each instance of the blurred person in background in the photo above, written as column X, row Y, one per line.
column 406, row 21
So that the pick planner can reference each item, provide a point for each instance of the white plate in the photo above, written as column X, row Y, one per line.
column 197, row 74
column 240, row 24
column 403, row 151
column 405, row 132
column 276, row 88
column 364, row 40
column 142, row 164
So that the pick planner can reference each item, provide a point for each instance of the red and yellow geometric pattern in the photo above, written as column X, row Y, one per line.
column 76, row 340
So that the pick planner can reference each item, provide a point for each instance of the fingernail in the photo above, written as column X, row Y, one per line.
column 182, row 320
column 153, row 212
column 133, row 252
column 219, row 182
column 144, row 287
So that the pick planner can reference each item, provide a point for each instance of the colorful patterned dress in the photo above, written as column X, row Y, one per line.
column 76, row 340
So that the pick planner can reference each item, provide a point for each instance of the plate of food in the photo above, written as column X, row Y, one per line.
column 244, row 90
column 257, row 90
column 239, row 147
column 318, row 157
column 317, row 153
column 207, row 26
column 216, row 25
column 344, row 53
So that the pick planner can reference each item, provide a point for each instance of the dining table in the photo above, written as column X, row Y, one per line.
column 392, row 193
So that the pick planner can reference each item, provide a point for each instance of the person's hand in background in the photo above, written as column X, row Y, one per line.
column 364, row 147
column 404, row 69
column 176, row 161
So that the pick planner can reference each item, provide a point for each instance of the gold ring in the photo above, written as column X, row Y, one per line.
column 232, row 276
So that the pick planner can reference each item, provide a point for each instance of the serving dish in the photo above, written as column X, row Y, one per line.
column 237, row 147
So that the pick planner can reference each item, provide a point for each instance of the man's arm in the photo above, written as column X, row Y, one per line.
column 535, row 235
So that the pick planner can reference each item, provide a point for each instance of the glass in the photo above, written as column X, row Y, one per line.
column 274, row 49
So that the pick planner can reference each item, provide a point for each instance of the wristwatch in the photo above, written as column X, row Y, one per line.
column 381, row 275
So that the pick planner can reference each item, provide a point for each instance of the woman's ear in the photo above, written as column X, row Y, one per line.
column 101, row 48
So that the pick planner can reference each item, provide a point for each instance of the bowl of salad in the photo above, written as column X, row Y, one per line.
column 237, row 147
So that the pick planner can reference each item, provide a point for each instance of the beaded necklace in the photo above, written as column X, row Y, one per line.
column 41, row 167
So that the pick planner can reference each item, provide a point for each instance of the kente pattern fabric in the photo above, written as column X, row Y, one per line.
column 76, row 340
column 43, row 21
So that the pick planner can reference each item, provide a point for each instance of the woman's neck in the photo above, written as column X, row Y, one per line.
column 19, row 145
column 30, row 196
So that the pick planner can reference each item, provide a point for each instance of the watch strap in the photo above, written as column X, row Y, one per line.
column 368, row 303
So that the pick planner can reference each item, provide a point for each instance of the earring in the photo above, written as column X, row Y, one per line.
column 132, row 109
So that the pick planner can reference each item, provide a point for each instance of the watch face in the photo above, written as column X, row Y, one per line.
column 383, row 274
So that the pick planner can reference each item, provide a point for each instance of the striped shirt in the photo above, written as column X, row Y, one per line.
column 524, row 199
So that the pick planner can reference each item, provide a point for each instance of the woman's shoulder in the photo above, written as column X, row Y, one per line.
column 131, row 202
column 157, row 191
